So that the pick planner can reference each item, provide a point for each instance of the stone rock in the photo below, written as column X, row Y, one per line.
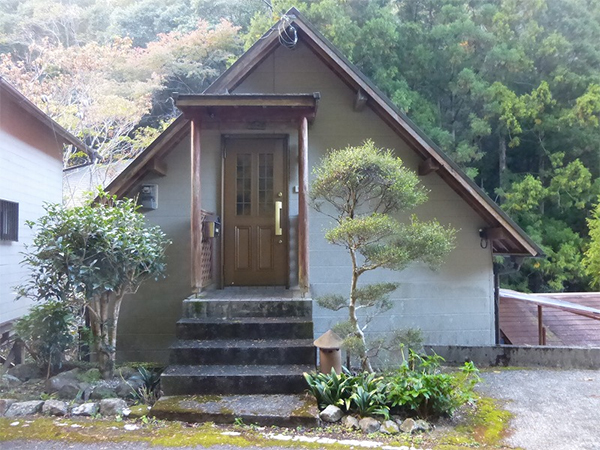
column 369, row 425
column 124, row 389
column 85, row 409
column 125, row 372
column 5, row 404
column 408, row 426
column 389, row 427
column 66, row 382
column 112, row 406
column 350, row 422
column 55, row 408
column 422, row 425
column 331, row 414
column 101, row 392
column 25, row 372
column 9, row 381
column 397, row 419
column 19, row 409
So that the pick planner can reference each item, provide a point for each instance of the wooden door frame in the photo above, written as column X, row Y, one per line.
column 286, row 183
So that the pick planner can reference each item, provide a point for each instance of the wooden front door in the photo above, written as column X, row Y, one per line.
column 255, row 212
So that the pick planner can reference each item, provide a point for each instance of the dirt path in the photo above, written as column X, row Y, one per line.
column 553, row 409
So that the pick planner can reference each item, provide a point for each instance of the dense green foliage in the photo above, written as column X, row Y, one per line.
column 363, row 189
column 48, row 332
column 419, row 387
column 91, row 256
column 509, row 89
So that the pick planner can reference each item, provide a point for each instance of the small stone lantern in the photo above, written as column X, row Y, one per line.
column 330, row 356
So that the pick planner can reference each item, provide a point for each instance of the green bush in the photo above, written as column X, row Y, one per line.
column 418, row 387
column 48, row 331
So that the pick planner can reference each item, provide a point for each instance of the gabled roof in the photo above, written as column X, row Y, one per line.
column 507, row 237
column 36, row 112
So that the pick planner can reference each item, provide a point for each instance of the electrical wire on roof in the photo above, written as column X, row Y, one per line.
column 287, row 32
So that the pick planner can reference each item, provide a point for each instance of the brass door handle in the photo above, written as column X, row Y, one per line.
column 278, row 208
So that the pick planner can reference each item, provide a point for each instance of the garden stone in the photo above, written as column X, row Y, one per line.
column 389, row 427
column 125, row 372
column 19, row 409
column 58, row 382
column 350, row 422
column 125, row 389
column 112, row 406
column 331, row 414
column 55, row 408
column 85, row 409
column 369, row 425
column 25, row 372
column 408, row 426
column 5, row 404
column 9, row 381
column 422, row 425
column 101, row 392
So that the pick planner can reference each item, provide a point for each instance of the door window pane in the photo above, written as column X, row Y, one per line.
column 265, row 183
column 243, row 185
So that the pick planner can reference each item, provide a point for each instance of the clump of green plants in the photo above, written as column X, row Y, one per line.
column 149, row 391
column 48, row 332
column 417, row 387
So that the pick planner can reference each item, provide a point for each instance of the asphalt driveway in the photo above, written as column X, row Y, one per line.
column 553, row 409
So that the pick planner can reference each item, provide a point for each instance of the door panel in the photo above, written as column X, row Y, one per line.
column 255, row 178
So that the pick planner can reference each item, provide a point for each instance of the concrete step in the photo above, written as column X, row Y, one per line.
column 235, row 352
column 246, row 328
column 280, row 410
column 229, row 379
column 231, row 308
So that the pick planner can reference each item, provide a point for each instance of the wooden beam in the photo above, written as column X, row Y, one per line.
column 196, row 209
column 303, row 205
column 427, row 166
column 158, row 167
column 494, row 234
column 360, row 100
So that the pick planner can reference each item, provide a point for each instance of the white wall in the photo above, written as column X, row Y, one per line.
column 453, row 305
column 29, row 177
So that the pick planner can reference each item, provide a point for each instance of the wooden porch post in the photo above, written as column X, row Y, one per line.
column 196, row 211
column 303, row 205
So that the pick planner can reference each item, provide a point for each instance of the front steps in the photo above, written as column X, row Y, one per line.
column 242, row 341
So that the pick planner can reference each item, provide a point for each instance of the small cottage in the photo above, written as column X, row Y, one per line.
column 228, row 182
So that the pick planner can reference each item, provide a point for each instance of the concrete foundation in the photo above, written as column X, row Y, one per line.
column 512, row 355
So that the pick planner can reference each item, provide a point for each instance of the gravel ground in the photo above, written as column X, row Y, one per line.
column 553, row 409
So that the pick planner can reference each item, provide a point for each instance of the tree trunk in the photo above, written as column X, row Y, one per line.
column 501, row 160
column 364, row 358
column 103, row 322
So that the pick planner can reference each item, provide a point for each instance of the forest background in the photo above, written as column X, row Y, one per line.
column 509, row 89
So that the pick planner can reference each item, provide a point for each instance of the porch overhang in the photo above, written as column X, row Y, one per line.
column 249, row 108
column 253, row 111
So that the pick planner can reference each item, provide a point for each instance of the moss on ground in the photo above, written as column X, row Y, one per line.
column 485, row 427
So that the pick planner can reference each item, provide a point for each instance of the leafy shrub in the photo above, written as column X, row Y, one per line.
column 149, row 392
column 48, row 331
column 330, row 388
column 369, row 395
column 419, row 386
